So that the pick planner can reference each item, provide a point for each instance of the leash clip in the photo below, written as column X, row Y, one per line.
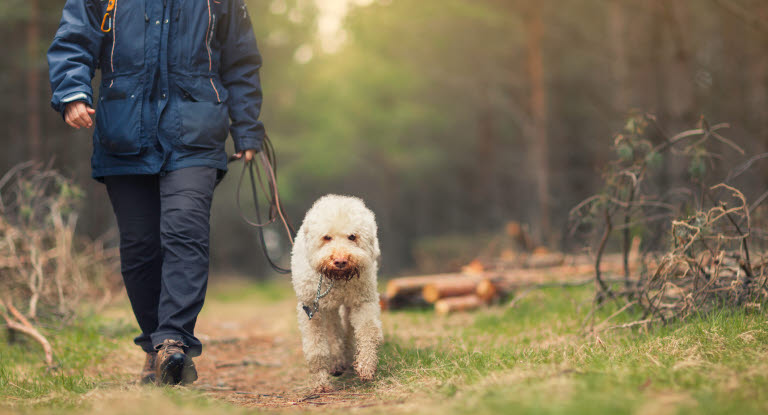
column 309, row 311
column 316, row 304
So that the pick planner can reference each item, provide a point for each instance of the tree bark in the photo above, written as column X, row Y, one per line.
column 413, row 285
column 33, row 81
column 681, row 94
column 617, row 23
column 452, row 304
column 537, row 130
column 437, row 290
column 759, row 79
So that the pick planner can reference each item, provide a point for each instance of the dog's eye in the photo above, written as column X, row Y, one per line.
column 352, row 237
column 327, row 238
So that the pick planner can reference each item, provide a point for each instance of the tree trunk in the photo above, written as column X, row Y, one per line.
column 537, row 130
column 680, row 94
column 33, row 81
column 617, row 22
column 656, row 46
column 758, row 97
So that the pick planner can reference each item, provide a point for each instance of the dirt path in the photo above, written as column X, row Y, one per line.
column 253, row 358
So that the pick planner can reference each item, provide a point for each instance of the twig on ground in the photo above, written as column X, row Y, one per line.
column 24, row 326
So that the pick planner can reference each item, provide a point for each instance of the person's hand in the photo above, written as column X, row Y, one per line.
column 78, row 114
column 247, row 153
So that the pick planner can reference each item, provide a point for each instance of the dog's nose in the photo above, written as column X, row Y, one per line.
column 340, row 264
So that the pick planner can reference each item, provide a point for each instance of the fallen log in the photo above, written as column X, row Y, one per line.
column 452, row 304
column 453, row 287
column 524, row 271
column 486, row 290
column 406, row 286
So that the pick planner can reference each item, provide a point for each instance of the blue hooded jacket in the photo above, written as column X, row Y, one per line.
column 174, row 73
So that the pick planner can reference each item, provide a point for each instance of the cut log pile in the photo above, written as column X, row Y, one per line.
column 476, row 286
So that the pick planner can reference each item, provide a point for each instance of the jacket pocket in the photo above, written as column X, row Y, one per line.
column 204, row 114
column 118, row 117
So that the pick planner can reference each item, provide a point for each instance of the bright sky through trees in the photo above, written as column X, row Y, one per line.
column 330, row 35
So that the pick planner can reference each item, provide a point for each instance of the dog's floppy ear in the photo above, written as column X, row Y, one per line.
column 375, row 245
column 376, row 250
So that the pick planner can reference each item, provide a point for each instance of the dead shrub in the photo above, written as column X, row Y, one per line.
column 46, row 270
column 701, row 247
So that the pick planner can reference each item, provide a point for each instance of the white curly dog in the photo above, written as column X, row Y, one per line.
column 337, row 244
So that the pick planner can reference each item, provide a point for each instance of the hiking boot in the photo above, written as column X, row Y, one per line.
column 174, row 367
column 150, row 365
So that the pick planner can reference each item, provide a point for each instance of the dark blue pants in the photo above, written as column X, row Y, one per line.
column 164, row 232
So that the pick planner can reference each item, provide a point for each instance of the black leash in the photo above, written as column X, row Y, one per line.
column 269, row 164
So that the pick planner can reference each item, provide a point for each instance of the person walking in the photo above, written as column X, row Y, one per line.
column 176, row 78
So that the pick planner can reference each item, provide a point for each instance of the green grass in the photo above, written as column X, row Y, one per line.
column 24, row 380
column 529, row 359
column 534, row 359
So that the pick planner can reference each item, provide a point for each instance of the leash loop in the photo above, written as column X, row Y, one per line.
column 269, row 164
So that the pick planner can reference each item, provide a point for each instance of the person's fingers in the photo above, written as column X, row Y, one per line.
column 74, row 118
column 77, row 119
column 68, row 116
column 70, row 122
column 74, row 113
column 249, row 155
column 89, row 111
column 85, row 119
column 238, row 155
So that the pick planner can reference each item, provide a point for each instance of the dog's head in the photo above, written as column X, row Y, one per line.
column 340, row 235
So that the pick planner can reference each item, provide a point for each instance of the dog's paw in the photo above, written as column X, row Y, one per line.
column 368, row 377
column 365, row 373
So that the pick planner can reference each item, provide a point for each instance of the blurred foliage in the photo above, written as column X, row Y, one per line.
column 421, row 107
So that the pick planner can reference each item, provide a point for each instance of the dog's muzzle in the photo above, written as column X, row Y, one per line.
column 340, row 271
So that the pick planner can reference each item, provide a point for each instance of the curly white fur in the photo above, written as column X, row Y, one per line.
column 338, row 239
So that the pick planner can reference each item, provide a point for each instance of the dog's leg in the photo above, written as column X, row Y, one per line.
column 335, row 335
column 349, row 337
column 316, row 351
column 366, row 322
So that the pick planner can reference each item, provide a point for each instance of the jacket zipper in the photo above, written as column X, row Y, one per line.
column 208, row 39
column 114, row 42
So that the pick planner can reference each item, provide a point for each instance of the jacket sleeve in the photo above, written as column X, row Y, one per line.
column 240, row 63
column 73, row 55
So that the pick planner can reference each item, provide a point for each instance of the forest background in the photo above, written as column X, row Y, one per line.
column 451, row 118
